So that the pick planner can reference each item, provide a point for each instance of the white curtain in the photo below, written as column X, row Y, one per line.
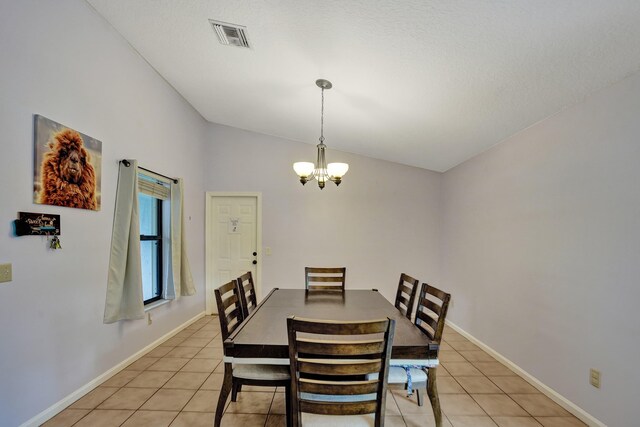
column 182, row 279
column 124, row 285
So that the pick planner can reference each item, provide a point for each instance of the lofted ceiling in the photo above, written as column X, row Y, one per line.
column 424, row 83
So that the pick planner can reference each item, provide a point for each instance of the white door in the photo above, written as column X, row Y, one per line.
column 232, row 241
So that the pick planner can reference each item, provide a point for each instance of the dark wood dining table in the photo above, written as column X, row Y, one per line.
column 262, row 338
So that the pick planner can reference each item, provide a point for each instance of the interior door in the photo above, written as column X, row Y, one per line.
column 233, row 240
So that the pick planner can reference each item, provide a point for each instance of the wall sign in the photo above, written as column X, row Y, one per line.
column 37, row 224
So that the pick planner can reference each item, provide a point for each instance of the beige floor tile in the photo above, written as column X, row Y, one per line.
column 477, row 385
column 276, row 421
column 195, row 342
column 391, row 408
column 159, row 351
column 463, row 345
column 243, row 420
column 463, row 369
column 205, row 333
column 453, row 337
column 172, row 342
column 499, row 404
column 104, row 418
column 394, row 421
column 251, row 403
column 471, row 421
column 445, row 346
column 514, row 384
column 142, row 363
column 128, row 398
column 203, row 401
column 201, row 365
column 409, row 405
column 95, row 397
column 516, row 422
column 213, row 382
column 450, row 356
column 278, row 405
column 151, row 419
column 219, row 369
column 170, row 364
column 448, row 385
column 560, row 422
column 120, row 379
column 187, row 352
column 187, row 380
column 459, row 404
column 539, row 405
column 185, row 333
column 441, row 372
column 493, row 369
column 66, row 418
column 168, row 400
column 196, row 419
column 424, row 420
column 150, row 379
column 210, row 353
column 215, row 343
column 258, row 388
column 476, row 356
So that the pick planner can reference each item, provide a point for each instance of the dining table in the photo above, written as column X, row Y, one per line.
column 262, row 337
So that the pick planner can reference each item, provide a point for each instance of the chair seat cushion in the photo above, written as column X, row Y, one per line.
column 398, row 375
column 261, row 372
column 316, row 420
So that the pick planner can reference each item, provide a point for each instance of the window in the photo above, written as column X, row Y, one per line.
column 153, row 201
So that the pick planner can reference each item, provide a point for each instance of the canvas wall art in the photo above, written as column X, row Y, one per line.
column 67, row 166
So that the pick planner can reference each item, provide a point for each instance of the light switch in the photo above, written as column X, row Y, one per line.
column 5, row 273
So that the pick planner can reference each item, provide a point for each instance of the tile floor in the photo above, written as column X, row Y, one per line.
column 177, row 384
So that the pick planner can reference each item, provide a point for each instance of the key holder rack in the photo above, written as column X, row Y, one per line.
column 39, row 224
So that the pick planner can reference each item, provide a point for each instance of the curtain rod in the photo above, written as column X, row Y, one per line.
column 127, row 163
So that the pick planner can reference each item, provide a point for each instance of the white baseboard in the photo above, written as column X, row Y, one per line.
column 56, row 408
column 580, row 413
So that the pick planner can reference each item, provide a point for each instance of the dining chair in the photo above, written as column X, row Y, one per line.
column 406, row 295
column 324, row 279
column 431, row 312
column 231, row 316
column 329, row 384
column 247, row 291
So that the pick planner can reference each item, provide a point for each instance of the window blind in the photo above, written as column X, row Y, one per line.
column 153, row 187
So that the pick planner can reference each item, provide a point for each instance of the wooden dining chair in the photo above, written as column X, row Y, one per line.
column 328, row 374
column 324, row 279
column 231, row 317
column 406, row 295
column 431, row 312
column 247, row 291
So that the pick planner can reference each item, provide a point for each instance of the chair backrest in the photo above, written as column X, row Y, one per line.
column 229, row 308
column 328, row 373
column 406, row 295
column 433, row 305
column 324, row 279
column 247, row 291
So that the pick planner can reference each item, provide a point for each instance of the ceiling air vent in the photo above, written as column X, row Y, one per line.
column 230, row 34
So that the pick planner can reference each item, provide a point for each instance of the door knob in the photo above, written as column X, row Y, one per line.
column 255, row 262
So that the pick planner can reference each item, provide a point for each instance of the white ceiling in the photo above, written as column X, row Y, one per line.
column 427, row 83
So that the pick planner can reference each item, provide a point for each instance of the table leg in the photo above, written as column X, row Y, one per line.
column 224, row 393
column 432, row 391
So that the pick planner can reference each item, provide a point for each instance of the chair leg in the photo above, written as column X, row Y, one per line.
column 420, row 397
column 432, row 391
column 287, row 403
column 224, row 393
column 235, row 388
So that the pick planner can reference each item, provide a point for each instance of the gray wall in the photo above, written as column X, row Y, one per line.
column 541, row 250
column 61, row 60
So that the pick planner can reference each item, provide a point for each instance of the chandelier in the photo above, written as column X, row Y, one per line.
column 307, row 171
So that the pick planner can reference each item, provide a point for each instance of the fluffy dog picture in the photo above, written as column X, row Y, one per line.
column 67, row 166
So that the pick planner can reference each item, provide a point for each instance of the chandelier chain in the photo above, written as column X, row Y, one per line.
column 322, row 119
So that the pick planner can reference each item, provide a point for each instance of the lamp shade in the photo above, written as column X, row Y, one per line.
column 303, row 169
column 337, row 170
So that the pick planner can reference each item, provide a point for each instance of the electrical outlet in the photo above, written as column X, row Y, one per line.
column 5, row 273
column 149, row 320
column 594, row 378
